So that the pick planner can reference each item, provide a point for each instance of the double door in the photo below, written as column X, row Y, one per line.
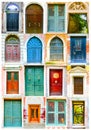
column 12, row 113
column 34, row 81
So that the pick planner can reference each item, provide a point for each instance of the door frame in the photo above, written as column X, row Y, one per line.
column 48, row 80
column 29, row 113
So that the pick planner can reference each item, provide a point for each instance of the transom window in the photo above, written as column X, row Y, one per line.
column 56, row 18
column 78, row 85
column 56, row 114
column 56, row 49
column 78, row 112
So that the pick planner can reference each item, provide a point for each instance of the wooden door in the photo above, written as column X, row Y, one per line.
column 34, row 81
column 78, row 49
column 56, row 82
column 34, row 19
column 12, row 21
column 34, row 113
column 34, row 50
column 12, row 113
column 12, row 83
column 12, row 52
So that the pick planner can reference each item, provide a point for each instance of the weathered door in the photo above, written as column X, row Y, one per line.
column 34, row 81
column 12, row 83
column 56, row 82
column 34, row 19
column 34, row 113
column 12, row 113
column 34, row 51
column 12, row 52
column 12, row 21
column 78, row 49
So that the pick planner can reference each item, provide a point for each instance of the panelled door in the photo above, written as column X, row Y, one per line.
column 78, row 49
column 34, row 81
column 34, row 51
column 12, row 113
column 12, row 52
column 34, row 19
column 12, row 83
column 55, row 82
column 12, row 21
column 34, row 113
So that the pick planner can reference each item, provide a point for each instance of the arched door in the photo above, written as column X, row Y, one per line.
column 34, row 50
column 34, row 19
column 12, row 15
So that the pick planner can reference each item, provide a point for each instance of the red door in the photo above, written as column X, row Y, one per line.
column 56, row 82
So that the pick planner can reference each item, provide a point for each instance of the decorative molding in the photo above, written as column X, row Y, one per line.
column 78, row 70
column 77, row 6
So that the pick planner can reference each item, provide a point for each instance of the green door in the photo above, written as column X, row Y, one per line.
column 12, row 113
column 34, row 81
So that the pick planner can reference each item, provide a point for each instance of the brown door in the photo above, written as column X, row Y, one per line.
column 34, row 113
column 56, row 82
column 34, row 19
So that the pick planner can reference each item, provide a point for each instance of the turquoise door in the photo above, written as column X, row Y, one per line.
column 12, row 113
column 34, row 81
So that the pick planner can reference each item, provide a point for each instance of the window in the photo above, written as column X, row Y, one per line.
column 78, row 85
column 56, row 114
column 78, row 23
column 12, row 49
column 78, row 49
column 56, row 18
column 56, row 49
column 78, row 112
column 12, row 83
column 12, row 17
column 34, row 19
column 78, row 18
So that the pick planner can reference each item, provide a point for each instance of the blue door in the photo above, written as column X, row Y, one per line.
column 34, row 51
column 12, row 113
column 78, row 49
column 12, row 21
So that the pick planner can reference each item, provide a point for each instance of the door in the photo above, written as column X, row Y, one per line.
column 12, row 113
column 34, row 51
column 78, row 49
column 56, row 82
column 34, row 19
column 12, row 52
column 34, row 81
column 12, row 83
column 12, row 21
column 34, row 113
